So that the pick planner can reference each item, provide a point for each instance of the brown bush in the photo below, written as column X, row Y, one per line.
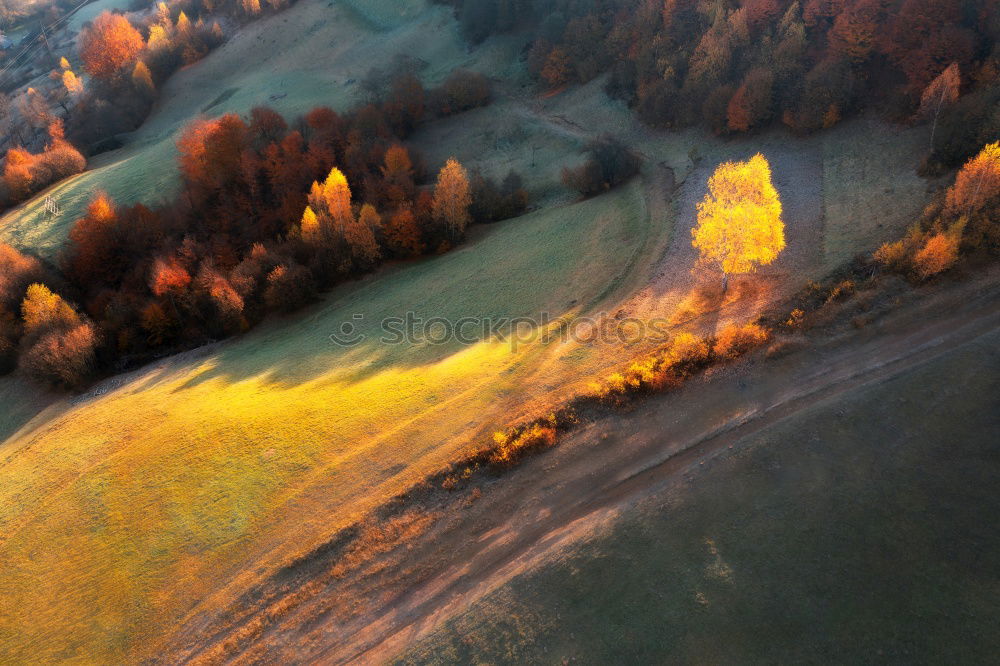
column 62, row 357
column 786, row 345
column 463, row 90
column 841, row 291
column 610, row 164
column 17, row 271
column 289, row 288
column 25, row 173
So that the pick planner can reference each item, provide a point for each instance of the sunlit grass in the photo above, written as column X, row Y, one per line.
column 123, row 513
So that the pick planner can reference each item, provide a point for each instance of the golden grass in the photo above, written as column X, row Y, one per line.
column 129, row 510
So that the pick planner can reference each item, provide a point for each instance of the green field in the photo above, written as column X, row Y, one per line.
column 861, row 531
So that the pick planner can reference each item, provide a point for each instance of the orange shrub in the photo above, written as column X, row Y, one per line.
column 892, row 255
column 17, row 271
column 25, row 173
column 938, row 254
column 514, row 444
column 688, row 352
column 734, row 341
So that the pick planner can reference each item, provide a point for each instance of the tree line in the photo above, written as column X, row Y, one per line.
column 269, row 213
column 739, row 65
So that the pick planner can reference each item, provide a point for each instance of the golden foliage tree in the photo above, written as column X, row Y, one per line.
column 159, row 36
column 309, row 225
column 329, row 220
column 142, row 79
column 452, row 197
column 939, row 253
column 42, row 308
column 72, row 83
column 109, row 45
column 183, row 23
column 330, row 202
column 739, row 221
column 976, row 183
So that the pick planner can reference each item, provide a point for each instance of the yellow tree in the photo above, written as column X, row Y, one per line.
column 739, row 221
column 452, row 197
column 976, row 183
column 142, row 79
column 72, row 83
column 310, row 225
column 331, row 202
column 329, row 220
column 42, row 308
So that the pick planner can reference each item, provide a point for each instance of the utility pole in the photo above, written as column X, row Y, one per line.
column 48, row 47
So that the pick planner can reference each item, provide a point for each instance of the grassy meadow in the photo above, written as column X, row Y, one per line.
column 124, row 511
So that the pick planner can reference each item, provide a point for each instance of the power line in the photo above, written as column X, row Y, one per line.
column 39, row 40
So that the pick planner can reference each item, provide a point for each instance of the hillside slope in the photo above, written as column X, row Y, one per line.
column 855, row 522
column 161, row 496
column 846, row 481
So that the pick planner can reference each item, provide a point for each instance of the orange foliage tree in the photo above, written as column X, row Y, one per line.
column 939, row 253
column 452, row 198
column 977, row 182
column 92, row 259
column 739, row 221
column 168, row 277
column 109, row 45
column 402, row 234
column 855, row 29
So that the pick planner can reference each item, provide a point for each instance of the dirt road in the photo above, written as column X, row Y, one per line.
column 471, row 544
